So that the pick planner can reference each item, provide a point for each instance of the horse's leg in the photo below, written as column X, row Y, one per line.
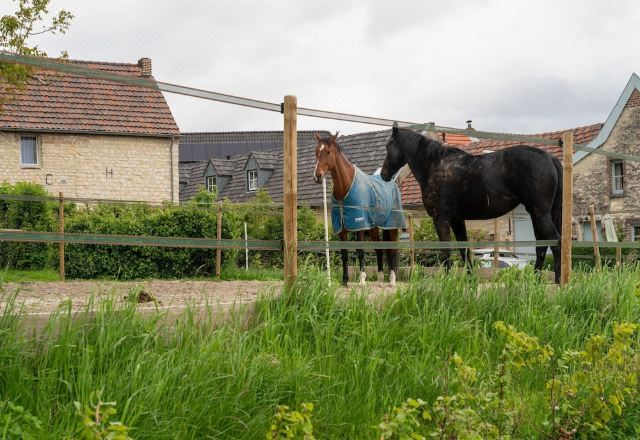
column 345, row 259
column 460, row 231
column 393, row 257
column 541, row 251
column 360, row 254
column 375, row 236
column 547, row 231
column 443, row 228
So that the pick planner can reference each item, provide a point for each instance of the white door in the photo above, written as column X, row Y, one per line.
column 523, row 231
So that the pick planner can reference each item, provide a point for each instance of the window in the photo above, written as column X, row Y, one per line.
column 617, row 177
column 252, row 180
column 635, row 232
column 211, row 184
column 29, row 154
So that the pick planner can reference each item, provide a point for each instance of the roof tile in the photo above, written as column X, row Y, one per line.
column 57, row 101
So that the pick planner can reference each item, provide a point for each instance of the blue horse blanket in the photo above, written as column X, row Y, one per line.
column 371, row 202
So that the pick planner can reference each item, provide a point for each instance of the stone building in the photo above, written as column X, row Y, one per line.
column 91, row 138
column 610, row 184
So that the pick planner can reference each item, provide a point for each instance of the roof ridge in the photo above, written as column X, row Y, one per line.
column 104, row 63
column 541, row 134
column 245, row 131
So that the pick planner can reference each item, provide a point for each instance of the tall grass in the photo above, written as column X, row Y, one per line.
column 353, row 357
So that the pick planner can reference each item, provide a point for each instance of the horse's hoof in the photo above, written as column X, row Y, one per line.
column 363, row 279
column 392, row 279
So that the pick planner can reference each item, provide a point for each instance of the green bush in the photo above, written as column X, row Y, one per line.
column 133, row 262
column 27, row 216
column 265, row 221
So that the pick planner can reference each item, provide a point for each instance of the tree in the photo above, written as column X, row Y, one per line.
column 32, row 18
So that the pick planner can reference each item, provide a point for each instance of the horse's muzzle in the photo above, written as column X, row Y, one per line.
column 317, row 178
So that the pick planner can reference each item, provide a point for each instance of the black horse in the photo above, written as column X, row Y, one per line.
column 457, row 186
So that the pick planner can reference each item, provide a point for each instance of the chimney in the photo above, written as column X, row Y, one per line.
column 145, row 66
column 469, row 127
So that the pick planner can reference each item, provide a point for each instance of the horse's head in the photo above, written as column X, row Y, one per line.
column 395, row 156
column 326, row 151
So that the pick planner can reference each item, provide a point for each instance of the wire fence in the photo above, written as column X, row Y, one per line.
column 272, row 208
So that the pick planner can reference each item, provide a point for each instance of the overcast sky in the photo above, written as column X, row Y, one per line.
column 509, row 65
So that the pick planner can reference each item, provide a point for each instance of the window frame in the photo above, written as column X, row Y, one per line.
column 635, row 237
column 254, row 173
column 614, row 191
column 38, row 152
column 207, row 183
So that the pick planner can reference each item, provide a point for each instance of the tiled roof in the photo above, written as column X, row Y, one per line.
column 454, row 138
column 194, row 173
column 366, row 150
column 57, row 101
column 243, row 136
column 266, row 160
column 203, row 146
column 224, row 167
column 581, row 135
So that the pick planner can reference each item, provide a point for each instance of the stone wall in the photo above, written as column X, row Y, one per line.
column 97, row 167
column 592, row 175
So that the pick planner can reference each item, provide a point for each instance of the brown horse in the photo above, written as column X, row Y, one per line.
column 329, row 158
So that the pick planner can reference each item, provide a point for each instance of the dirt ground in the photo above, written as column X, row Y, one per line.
column 42, row 298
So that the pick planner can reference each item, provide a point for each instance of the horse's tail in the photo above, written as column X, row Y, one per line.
column 556, row 208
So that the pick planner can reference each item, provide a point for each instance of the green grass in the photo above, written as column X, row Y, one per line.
column 352, row 358
column 19, row 276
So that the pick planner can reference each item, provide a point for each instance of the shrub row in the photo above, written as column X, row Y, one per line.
column 27, row 216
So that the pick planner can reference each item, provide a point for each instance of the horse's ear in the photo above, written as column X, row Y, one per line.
column 317, row 136
column 334, row 138
column 394, row 131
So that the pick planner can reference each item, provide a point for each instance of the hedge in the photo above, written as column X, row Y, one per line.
column 133, row 262
column 28, row 216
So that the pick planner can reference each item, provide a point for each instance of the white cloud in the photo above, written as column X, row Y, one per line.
column 509, row 65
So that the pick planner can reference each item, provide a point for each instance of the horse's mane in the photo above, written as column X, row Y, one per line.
column 432, row 148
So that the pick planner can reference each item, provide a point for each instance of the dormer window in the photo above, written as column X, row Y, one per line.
column 252, row 180
column 211, row 184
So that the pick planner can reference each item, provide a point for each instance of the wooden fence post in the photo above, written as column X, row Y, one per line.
column 594, row 237
column 618, row 256
column 290, row 109
column 219, row 235
column 412, row 252
column 61, row 230
column 567, row 206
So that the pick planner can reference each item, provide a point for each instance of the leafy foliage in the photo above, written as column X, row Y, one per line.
column 95, row 420
column 595, row 386
column 294, row 425
column 134, row 262
column 28, row 216
column 18, row 423
column 31, row 19
column 471, row 408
